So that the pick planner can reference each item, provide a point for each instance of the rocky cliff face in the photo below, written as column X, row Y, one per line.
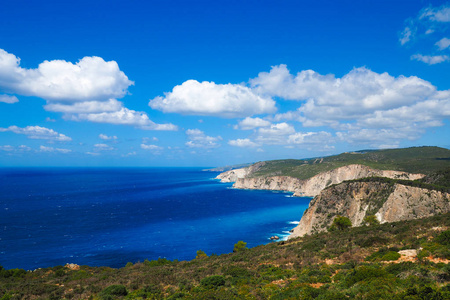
column 355, row 200
column 309, row 187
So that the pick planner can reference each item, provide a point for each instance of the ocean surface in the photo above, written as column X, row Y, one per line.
column 111, row 216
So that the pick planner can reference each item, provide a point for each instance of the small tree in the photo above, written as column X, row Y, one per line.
column 371, row 220
column 201, row 254
column 340, row 223
column 239, row 246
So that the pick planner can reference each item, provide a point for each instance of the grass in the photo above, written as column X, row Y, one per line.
column 425, row 160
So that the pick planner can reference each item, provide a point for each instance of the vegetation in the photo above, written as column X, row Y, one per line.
column 340, row 223
column 357, row 263
column 425, row 160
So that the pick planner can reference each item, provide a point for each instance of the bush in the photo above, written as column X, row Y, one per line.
column 239, row 246
column 364, row 273
column 114, row 290
column 340, row 223
column 391, row 255
column 444, row 238
column 213, row 281
column 201, row 254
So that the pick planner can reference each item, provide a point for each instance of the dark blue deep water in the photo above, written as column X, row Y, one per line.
column 108, row 217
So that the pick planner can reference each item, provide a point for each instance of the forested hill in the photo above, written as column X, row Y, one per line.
column 424, row 160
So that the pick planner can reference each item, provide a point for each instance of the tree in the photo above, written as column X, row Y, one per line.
column 340, row 223
column 371, row 220
column 239, row 246
column 201, row 254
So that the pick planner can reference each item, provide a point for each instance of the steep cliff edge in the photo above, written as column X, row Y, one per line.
column 387, row 201
column 307, row 187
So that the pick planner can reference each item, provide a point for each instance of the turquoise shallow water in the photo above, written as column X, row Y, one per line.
column 111, row 216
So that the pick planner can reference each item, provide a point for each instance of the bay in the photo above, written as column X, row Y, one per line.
column 111, row 216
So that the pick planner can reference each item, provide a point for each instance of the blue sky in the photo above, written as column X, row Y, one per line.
column 212, row 83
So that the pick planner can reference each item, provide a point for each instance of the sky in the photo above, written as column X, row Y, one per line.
column 215, row 83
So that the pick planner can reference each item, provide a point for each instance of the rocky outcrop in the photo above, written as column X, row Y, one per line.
column 235, row 174
column 308, row 187
column 355, row 200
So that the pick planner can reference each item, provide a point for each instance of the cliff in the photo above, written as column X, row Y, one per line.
column 355, row 200
column 307, row 187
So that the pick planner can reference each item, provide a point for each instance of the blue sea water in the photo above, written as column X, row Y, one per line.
column 111, row 216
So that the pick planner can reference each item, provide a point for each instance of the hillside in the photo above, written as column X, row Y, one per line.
column 402, row 260
column 424, row 160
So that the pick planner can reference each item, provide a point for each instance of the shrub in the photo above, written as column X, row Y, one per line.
column 340, row 223
column 371, row 220
column 444, row 238
column 239, row 246
column 213, row 281
column 391, row 255
column 201, row 254
column 114, row 290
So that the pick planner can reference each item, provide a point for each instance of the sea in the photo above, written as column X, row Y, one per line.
column 111, row 216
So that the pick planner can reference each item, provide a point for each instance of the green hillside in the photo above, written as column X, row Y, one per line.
column 356, row 263
column 423, row 160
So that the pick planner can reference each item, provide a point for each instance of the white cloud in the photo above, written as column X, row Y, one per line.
column 103, row 147
column 8, row 99
column 51, row 149
column 37, row 132
column 406, row 35
column 110, row 105
column 87, row 90
column 252, row 123
column 443, row 43
column 276, row 134
column 431, row 60
column 124, row 116
column 244, row 143
column 198, row 139
column 91, row 78
column 308, row 138
column 151, row 147
column 359, row 91
column 106, row 138
column 366, row 107
column 129, row 154
column 48, row 119
column 439, row 14
column 210, row 99
column 7, row 148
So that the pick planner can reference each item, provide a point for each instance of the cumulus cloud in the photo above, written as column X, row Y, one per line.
column 210, row 99
column 443, row 43
column 124, row 116
column 110, row 105
column 275, row 134
column 431, row 60
column 198, row 139
column 38, row 132
column 252, row 123
column 310, row 138
column 244, row 143
column 365, row 106
column 51, row 149
column 106, row 138
column 8, row 99
column 90, row 78
column 360, row 90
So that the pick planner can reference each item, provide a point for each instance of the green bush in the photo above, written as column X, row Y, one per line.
column 240, row 246
column 213, row 281
column 444, row 238
column 391, row 255
column 363, row 273
column 114, row 290
column 340, row 223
